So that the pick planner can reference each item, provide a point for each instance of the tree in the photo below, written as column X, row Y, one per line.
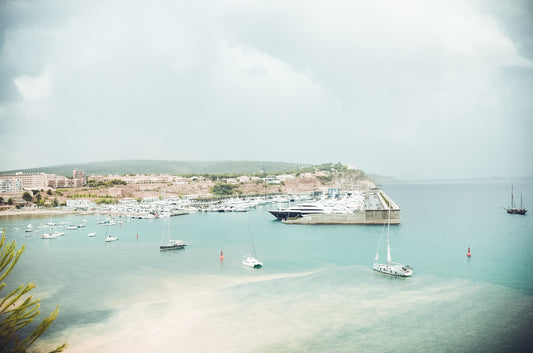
column 1, row 200
column 49, row 192
column 15, row 311
column 26, row 196
column 55, row 202
column 10, row 201
column 222, row 189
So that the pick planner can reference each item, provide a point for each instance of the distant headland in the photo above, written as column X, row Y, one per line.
column 182, row 168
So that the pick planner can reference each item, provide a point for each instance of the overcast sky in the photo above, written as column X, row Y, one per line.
column 411, row 89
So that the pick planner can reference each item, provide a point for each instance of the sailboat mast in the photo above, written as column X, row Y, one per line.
column 253, row 247
column 512, row 197
column 252, row 241
column 389, row 259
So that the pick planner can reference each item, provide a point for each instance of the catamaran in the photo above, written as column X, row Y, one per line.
column 389, row 267
column 249, row 260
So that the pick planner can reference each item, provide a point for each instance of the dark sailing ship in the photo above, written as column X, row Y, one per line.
column 513, row 209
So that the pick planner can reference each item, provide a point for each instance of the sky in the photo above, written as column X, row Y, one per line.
column 412, row 89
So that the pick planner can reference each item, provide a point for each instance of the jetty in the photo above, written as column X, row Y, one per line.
column 375, row 211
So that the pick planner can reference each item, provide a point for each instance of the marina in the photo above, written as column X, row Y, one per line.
column 371, row 207
column 346, row 207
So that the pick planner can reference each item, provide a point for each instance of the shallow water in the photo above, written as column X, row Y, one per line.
column 316, row 291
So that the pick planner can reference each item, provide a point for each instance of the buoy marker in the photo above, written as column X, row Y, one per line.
column 468, row 253
column 221, row 255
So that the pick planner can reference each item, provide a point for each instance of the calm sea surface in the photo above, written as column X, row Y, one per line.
column 316, row 291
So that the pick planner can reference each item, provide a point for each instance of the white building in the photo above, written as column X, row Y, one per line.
column 81, row 204
column 284, row 177
column 10, row 186
column 244, row 179
column 272, row 180
column 29, row 180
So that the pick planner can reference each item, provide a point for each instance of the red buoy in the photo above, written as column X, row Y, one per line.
column 468, row 253
column 221, row 255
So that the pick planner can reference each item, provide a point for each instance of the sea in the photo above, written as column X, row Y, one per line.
column 316, row 292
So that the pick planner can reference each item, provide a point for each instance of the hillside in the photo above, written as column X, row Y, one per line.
column 166, row 167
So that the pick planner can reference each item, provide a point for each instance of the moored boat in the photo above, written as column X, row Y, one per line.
column 173, row 245
column 110, row 238
column 389, row 267
column 49, row 236
column 513, row 209
column 251, row 261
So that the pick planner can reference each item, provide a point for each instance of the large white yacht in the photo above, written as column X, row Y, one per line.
column 350, row 204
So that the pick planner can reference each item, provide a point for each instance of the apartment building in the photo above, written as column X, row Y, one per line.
column 37, row 181
column 10, row 186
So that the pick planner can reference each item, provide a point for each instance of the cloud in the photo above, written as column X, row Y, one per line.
column 33, row 88
column 355, row 82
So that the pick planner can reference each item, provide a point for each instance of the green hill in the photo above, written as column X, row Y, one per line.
column 166, row 167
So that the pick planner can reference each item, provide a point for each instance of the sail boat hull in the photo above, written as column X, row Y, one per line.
column 393, row 269
column 251, row 261
column 515, row 211
column 173, row 245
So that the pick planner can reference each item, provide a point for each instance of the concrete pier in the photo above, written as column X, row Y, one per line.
column 376, row 211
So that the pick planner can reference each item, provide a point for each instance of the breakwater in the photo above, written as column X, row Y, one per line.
column 376, row 211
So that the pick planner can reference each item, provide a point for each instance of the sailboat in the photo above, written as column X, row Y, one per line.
column 172, row 244
column 249, row 260
column 109, row 238
column 391, row 268
column 514, row 210
column 51, row 235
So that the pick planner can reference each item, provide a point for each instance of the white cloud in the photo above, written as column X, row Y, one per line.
column 342, row 77
column 33, row 88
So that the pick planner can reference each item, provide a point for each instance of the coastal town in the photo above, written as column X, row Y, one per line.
column 163, row 195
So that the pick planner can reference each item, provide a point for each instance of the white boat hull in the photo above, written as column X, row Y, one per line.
column 49, row 236
column 393, row 269
column 173, row 245
column 252, row 262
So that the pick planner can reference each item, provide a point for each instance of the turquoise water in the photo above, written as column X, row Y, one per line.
column 316, row 291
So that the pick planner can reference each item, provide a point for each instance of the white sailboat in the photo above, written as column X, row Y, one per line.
column 51, row 235
column 109, row 238
column 391, row 268
column 172, row 244
column 249, row 260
